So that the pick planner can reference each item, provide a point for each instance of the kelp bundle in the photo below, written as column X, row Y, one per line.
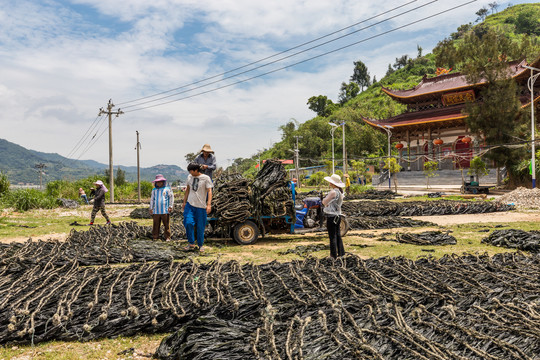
column 421, row 208
column 270, row 193
column 231, row 199
column 118, row 243
column 383, row 222
column 426, row 238
column 515, row 239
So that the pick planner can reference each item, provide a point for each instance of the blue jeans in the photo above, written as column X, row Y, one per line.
column 85, row 199
column 195, row 218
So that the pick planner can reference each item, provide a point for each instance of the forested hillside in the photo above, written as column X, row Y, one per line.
column 20, row 163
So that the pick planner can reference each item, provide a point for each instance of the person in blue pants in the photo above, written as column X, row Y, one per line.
column 196, row 205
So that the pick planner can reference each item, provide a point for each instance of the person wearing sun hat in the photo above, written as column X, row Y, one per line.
column 332, row 209
column 99, row 202
column 207, row 160
column 161, row 205
column 347, row 183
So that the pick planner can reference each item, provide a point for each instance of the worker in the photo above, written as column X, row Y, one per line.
column 99, row 202
column 347, row 184
column 207, row 160
column 196, row 205
column 332, row 210
column 161, row 205
column 82, row 195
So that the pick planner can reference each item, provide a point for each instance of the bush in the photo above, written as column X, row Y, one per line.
column 4, row 183
column 26, row 199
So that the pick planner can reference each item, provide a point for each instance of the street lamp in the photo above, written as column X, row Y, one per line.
column 530, row 85
column 389, row 133
column 344, row 150
column 334, row 127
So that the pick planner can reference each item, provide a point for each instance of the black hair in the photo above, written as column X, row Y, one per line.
column 194, row 166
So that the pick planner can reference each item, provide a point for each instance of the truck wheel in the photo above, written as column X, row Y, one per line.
column 246, row 233
column 344, row 226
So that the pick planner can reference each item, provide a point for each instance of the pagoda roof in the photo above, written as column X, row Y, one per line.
column 451, row 82
column 426, row 117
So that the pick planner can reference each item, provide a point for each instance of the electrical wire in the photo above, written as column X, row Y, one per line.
column 269, row 57
column 303, row 61
column 282, row 58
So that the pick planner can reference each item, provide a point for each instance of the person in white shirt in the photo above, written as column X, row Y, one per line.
column 332, row 209
column 196, row 205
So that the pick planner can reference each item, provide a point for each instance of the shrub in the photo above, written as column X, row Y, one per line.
column 26, row 199
column 4, row 183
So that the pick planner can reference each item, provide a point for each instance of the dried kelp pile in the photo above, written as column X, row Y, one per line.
column 515, row 239
column 231, row 200
column 117, row 243
column 456, row 307
column 372, row 194
column 424, row 238
column 270, row 194
column 305, row 250
column 421, row 208
column 143, row 213
column 384, row 222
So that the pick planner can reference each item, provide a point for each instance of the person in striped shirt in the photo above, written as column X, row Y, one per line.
column 161, row 205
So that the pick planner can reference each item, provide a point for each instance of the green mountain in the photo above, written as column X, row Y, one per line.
column 20, row 163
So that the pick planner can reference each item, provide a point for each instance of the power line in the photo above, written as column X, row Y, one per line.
column 282, row 58
column 305, row 60
column 269, row 57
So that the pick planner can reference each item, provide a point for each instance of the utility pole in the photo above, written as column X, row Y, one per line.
column 40, row 168
column 296, row 160
column 109, row 112
column 138, row 169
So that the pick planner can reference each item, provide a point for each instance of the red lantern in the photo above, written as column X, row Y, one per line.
column 399, row 146
column 438, row 142
column 466, row 139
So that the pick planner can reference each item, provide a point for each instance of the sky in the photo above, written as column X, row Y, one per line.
column 189, row 72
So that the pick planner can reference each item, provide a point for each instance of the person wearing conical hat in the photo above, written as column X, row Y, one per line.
column 207, row 160
column 161, row 205
column 99, row 203
column 332, row 210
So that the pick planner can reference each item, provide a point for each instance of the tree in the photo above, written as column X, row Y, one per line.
column 430, row 170
column 419, row 48
column 496, row 115
column 393, row 167
column 348, row 92
column 4, row 183
column 477, row 168
column 482, row 13
column 493, row 6
column 190, row 157
column 401, row 62
column 360, row 75
column 120, row 178
column 527, row 23
column 321, row 105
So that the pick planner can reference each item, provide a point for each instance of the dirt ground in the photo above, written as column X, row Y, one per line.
column 498, row 217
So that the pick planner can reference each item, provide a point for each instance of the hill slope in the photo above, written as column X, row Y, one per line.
column 19, row 164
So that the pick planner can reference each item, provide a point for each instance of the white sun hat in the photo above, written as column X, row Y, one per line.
column 335, row 179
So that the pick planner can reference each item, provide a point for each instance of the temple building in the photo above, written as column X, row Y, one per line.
column 434, row 127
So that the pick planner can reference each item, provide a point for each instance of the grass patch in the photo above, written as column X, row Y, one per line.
column 102, row 349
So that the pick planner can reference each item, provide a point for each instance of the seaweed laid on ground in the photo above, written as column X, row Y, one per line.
column 421, row 208
column 515, row 239
column 470, row 307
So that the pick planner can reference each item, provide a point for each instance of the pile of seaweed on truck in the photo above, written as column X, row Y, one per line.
column 262, row 201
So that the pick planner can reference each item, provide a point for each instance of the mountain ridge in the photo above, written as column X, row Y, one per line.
column 19, row 164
